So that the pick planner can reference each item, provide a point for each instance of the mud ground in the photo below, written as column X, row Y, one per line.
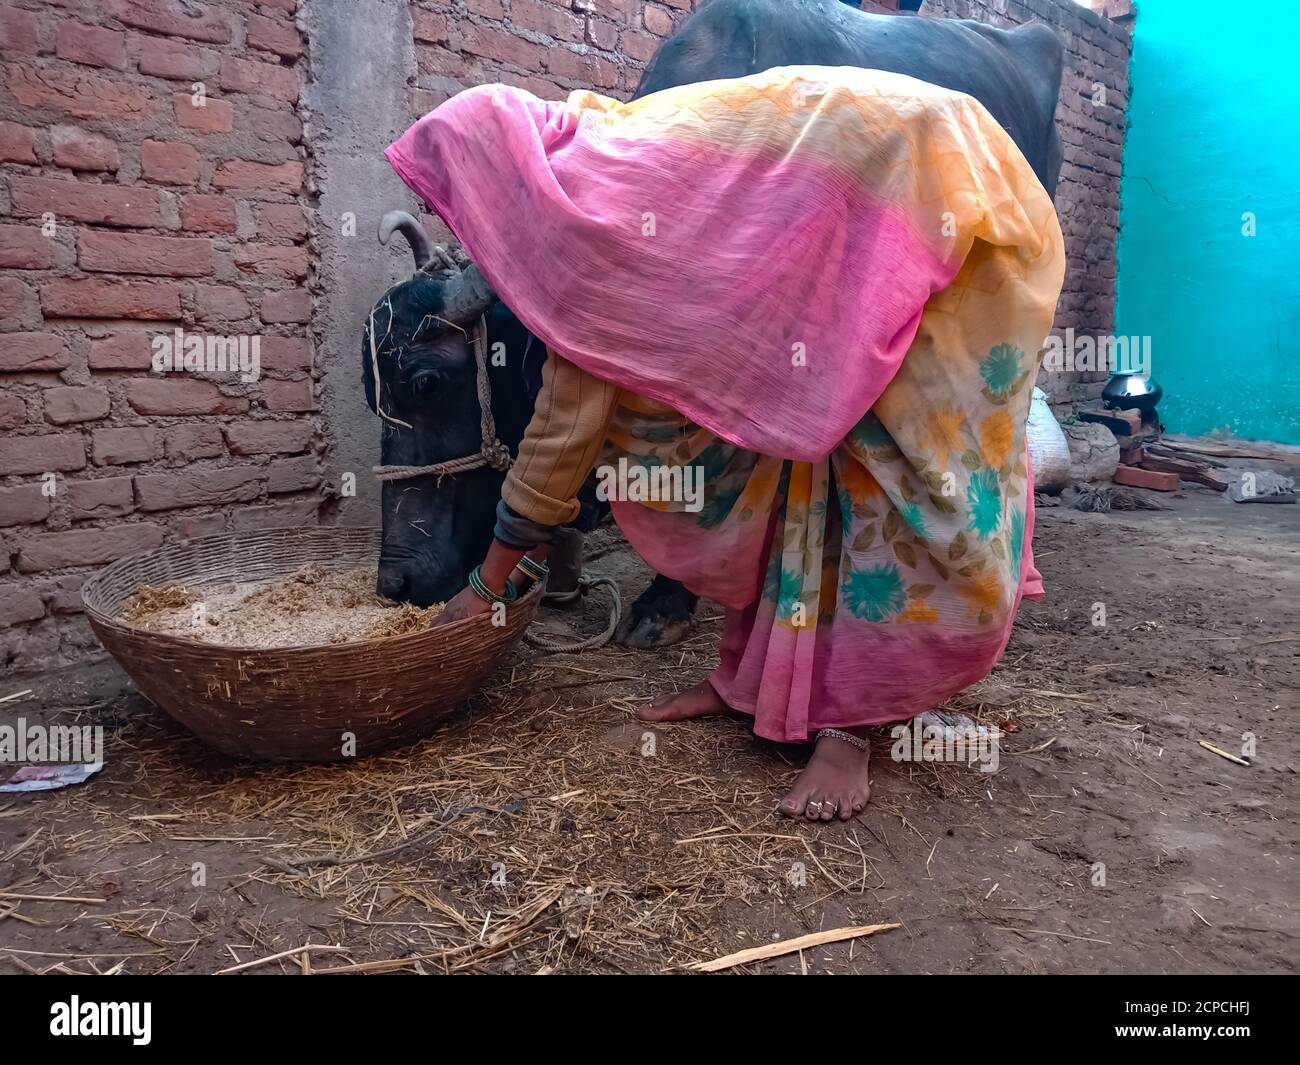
column 1108, row 841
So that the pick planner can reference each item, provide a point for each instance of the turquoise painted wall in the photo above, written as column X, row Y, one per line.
column 1214, row 132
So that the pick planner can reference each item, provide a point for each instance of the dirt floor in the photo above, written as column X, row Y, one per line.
column 591, row 854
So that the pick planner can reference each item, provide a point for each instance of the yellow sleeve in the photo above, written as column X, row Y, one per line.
column 561, row 444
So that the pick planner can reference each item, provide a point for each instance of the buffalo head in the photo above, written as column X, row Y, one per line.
column 420, row 378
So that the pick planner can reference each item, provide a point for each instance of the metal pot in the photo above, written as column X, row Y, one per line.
column 1125, row 391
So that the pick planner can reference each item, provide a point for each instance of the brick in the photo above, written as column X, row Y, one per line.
column 247, row 174
column 487, row 8
column 190, row 442
column 268, row 438
column 287, row 305
column 213, row 116
column 293, row 475
column 107, row 497
column 17, row 143
column 83, row 201
column 282, row 221
column 79, row 93
column 274, row 260
column 63, row 595
column 274, row 126
column 285, row 353
column 584, row 69
column 42, row 454
column 66, row 405
column 273, row 35
column 179, row 396
column 171, row 491
column 657, row 20
column 493, row 43
column 20, row 604
column 261, row 79
column 18, row 31
column 444, row 64
column 14, row 298
column 13, row 412
column 1157, row 480
column 428, row 26
column 191, row 525
column 122, row 350
column 639, row 46
column 169, row 162
column 546, row 18
column 78, row 149
column 292, row 514
column 602, row 34
column 27, row 352
column 163, row 58
column 288, row 395
column 220, row 303
column 92, row 45
column 172, row 18
column 96, row 298
column 25, row 248
column 24, row 505
column 118, row 447
column 86, row 547
column 131, row 253
column 205, row 213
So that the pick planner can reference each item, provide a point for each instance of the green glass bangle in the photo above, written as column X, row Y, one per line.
column 533, row 569
column 487, row 594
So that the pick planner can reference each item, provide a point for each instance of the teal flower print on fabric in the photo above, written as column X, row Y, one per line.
column 915, row 518
column 791, row 591
column 875, row 594
column 1017, row 540
column 984, row 501
column 1001, row 369
column 871, row 434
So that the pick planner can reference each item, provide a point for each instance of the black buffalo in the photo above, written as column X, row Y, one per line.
column 422, row 369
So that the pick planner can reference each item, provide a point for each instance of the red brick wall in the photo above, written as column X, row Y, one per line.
column 164, row 214
column 549, row 47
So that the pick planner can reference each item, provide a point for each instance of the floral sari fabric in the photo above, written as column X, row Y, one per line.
column 874, row 584
column 824, row 288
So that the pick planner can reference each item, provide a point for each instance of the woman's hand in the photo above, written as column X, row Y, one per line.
column 495, row 571
column 464, row 604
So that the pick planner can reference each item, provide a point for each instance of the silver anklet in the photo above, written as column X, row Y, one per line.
column 847, row 737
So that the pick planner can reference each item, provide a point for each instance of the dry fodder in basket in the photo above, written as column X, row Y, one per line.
column 316, row 605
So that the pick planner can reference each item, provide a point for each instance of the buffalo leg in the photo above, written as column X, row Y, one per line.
column 660, row 615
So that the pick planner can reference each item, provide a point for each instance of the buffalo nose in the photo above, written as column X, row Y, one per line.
column 393, row 583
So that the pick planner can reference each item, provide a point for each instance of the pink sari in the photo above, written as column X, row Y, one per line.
column 823, row 289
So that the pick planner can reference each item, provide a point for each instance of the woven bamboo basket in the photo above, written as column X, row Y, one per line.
column 294, row 703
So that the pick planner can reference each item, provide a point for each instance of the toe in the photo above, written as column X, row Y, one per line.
column 829, row 806
column 794, row 803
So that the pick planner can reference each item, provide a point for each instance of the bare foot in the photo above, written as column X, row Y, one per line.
column 699, row 701
column 835, row 782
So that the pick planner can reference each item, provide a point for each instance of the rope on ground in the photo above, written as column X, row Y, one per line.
column 551, row 646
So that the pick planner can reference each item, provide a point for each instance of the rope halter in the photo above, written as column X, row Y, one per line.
column 493, row 453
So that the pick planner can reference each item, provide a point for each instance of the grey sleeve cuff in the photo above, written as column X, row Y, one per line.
column 514, row 530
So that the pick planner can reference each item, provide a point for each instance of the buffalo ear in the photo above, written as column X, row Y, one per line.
column 466, row 296
column 409, row 226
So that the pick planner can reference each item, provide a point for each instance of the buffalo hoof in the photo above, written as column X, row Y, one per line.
column 660, row 616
